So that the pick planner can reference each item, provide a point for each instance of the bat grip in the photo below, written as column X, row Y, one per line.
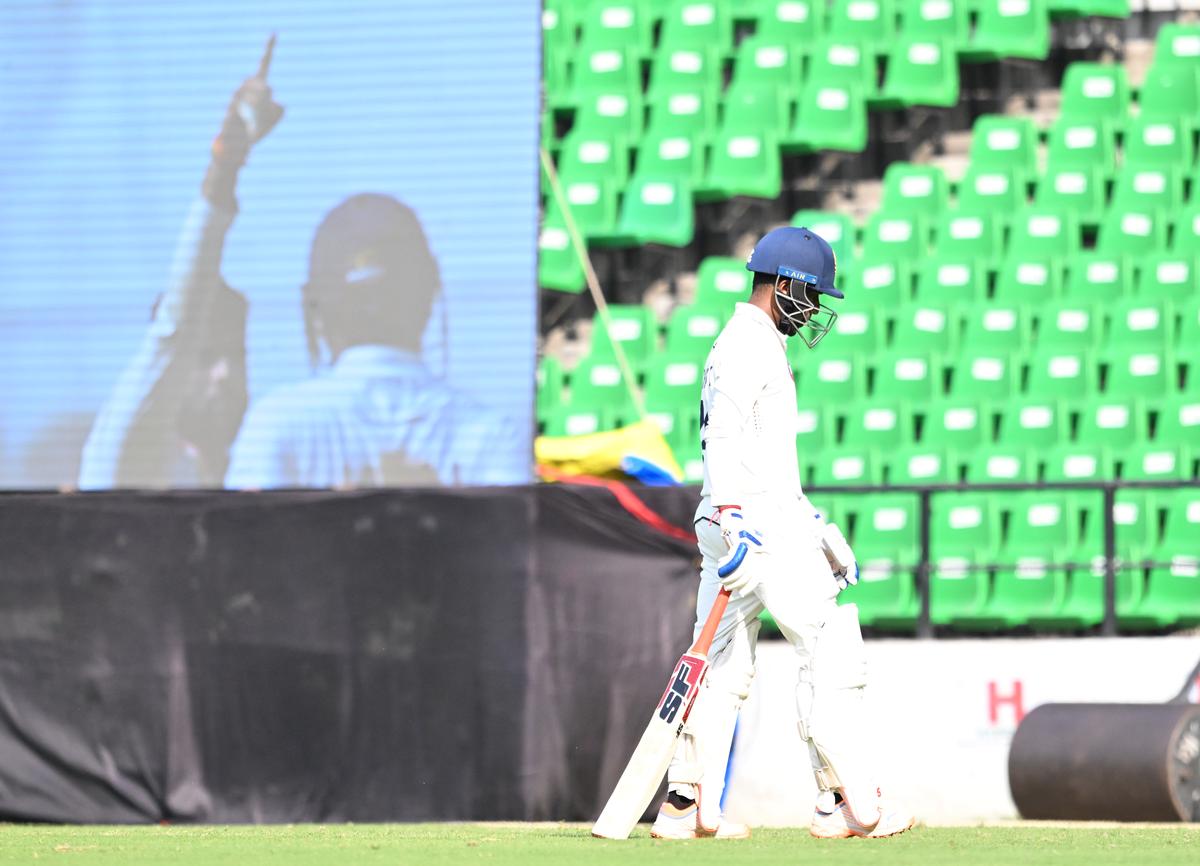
column 709, row 631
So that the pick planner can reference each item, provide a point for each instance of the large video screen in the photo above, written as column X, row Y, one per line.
column 267, row 243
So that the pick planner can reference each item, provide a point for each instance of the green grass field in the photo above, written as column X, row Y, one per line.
column 348, row 845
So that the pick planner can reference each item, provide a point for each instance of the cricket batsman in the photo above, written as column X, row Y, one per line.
column 796, row 566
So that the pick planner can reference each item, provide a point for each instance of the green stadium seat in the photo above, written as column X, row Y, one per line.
column 593, row 206
column 1009, row 28
column 881, row 284
column 997, row 326
column 895, row 237
column 878, row 426
column 870, row 23
column 1153, row 462
column 911, row 189
column 559, row 267
column 687, row 113
column 921, row 464
column 797, row 22
column 964, row 531
column 845, row 467
column 912, row 376
column 887, row 525
column 884, row 543
column 1173, row 592
column 1067, row 325
column 1133, row 516
column 860, row 328
column 956, row 425
column 692, row 68
column 1145, row 372
column 672, row 155
column 1032, row 423
column 832, row 378
column 550, row 382
column 1093, row 276
column 1044, row 233
column 633, row 326
column 1168, row 277
column 768, row 61
column 1022, row 279
column 1177, row 45
column 983, row 376
column 589, row 157
column 1000, row 464
column 611, row 114
column 1185, row 233
column 572, row 420
column 843, row 62
column 673, row 383
column 1081, row 143
column 936, row 19
column 994, row 190
column 1060, row 374
column 560, row 23
column 619, row 24
column 1004, row 143
column 948, row 282
column 697, row 24
column 604, row 69
column 968, row 236
column 757, row 107
column 836, row 229
column 1095, row 91
column 1171, row 91
column 1140, row 323
column 742, row 163
column 1132, row 232
column 1178, row 421
column 657, row 210
column 596, row 387
column 1112, row 423
column 920, row 71
column 1148, row 188
column 1077, row 463
column 816, row 430
column 1160, row 142
column 691, row 332
column 1043, row 535
column 828, row 117
column 923, row 328
column 556, row 76
column 720, row 283
column 1078, row 191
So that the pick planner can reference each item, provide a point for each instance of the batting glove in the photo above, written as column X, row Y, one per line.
column 734, row 569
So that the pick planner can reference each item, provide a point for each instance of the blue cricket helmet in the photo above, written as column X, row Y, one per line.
column 797, row 253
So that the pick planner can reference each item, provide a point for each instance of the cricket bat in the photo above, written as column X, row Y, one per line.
column 645, row 770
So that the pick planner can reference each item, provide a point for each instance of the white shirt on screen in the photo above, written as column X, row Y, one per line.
column 378, row 417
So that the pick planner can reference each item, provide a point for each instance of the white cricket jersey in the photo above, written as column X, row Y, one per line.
column 748, row 415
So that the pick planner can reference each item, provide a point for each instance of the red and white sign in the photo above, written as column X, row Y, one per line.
column 943, row 713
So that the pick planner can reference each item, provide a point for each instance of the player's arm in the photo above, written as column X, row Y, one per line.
column 130, row 443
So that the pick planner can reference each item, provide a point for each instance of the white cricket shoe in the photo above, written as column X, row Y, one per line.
column 840, row 823
column 674, row 822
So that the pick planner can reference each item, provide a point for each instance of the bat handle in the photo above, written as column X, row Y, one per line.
column 708, row 632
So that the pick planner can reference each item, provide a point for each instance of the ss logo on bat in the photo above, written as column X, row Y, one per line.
column 673, row 700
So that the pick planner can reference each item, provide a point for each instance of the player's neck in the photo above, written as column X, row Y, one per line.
column 765, row 301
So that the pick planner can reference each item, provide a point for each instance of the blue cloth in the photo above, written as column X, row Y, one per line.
column 378, row 417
